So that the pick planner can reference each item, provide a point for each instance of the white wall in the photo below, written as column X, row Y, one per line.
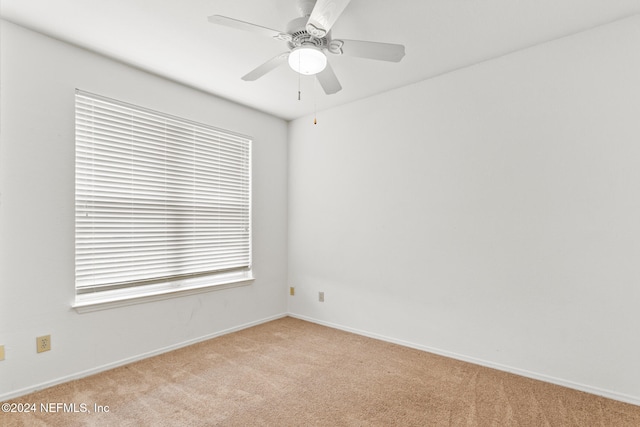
column 38, row 78
column 492, row 213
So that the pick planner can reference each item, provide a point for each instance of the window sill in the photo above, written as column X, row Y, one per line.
column 86, row 303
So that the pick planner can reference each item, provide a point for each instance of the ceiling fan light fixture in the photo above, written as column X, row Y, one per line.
column 307, row 60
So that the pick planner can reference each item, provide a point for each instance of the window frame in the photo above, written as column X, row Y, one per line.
column 89, row 298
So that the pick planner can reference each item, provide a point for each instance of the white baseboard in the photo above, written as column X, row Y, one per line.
column 553, row 380
column 92, row 371
column 524, row 373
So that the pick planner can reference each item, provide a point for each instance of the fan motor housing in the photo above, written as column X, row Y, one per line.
column 300, row 36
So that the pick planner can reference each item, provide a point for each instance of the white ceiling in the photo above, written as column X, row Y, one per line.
column 174, row 39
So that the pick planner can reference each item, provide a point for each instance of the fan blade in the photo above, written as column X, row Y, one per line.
column 324, row 15
column 328, row 80
column 372, row 50
column 266, row 67
column 245, row 26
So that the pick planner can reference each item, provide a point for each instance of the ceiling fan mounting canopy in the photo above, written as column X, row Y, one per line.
column 306, row 7
column 308, row 38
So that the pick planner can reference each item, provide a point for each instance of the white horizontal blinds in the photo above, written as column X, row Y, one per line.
column 157, row 197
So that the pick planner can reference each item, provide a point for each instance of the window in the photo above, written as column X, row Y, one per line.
column 162, row 203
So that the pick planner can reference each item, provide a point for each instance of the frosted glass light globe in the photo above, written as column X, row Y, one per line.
column 307, row 60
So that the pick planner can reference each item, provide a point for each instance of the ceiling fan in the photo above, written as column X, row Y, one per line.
column 309, row 39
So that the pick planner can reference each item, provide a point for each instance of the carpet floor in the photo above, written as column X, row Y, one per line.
column 289, row 372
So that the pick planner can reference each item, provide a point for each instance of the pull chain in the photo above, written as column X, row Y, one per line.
column 315, row 97
column 299, row 77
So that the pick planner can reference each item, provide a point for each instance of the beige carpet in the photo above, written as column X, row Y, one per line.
column 293, row 373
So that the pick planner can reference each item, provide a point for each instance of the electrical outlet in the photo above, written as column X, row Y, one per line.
column 292, row 291
column 1, row 352
column 321, row 296
column 43, row 343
